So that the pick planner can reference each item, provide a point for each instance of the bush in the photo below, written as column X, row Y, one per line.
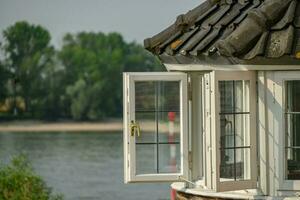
column 18, row 181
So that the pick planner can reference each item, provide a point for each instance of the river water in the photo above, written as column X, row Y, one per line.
column 80, row 165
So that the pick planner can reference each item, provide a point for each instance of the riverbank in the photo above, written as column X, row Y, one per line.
column 39, row 126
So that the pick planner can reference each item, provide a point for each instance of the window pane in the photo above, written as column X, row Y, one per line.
column 241, row 93
column 147, row 123
column 293, row 96
column 293, row 129
column 146, row 157
column 234, row 130
column 169, row 158
column 227, row 131
column 242, row 130
column 243, row 164
column 169, row 127
column 234, row 96
column 227, row 164
column 227, row 96
column 235, row 164
column 157, row 111
column 293, row 146
column 145, row 96
column 293, row 163
column 168, row 93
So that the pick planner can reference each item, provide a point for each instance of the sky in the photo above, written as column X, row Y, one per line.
column 134, row 19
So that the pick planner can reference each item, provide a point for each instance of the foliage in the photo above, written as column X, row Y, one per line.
column 18, row 181
column 27, row 53
column 94, row 63
column 3, row 80
column 82, row 81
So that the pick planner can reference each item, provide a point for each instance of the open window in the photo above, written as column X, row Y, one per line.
column 155, row 126
column 286, row 96
column 233, row 130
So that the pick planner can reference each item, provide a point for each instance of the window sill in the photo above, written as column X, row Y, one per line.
column 199, row 191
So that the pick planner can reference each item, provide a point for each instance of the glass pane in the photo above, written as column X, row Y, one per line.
column 168, row 93
column 226, row 96
column 169, row 158
column 227, row 130
column 145, row 96
column 293, row 145
column 235, row 164
column 157, row 111
column 146, row 157
column 227, row 164
column 293, row 164
column 234, row 130
column 147, row 123
column 234, row 96
column 243, row 164
column 169, row 127
column 293, row 96
column 293, row 129
column 242, row 130
column 237, row 125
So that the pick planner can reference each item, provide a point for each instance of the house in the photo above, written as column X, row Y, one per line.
column 224, row 121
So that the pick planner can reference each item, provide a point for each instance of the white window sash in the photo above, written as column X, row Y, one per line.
column 129, row 80
column 279, row 91
column 228, row 185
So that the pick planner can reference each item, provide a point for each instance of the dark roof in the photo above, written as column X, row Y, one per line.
column 232, row 32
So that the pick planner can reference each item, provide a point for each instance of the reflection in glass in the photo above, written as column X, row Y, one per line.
column 149, row 165
column 157, row 111
column 234, row 130
column 147, row 124
column 145, row 95
column 169, row 158
column 168, row 94
column 235, row 164
column 293, row 129
column 168, row 130
column 227, row 167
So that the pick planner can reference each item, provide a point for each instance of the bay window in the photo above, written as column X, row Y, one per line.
column 161, row 127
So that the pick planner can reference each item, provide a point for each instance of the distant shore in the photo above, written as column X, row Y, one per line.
column 38, row 126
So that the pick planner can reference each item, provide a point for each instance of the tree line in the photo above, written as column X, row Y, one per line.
column 80, row 81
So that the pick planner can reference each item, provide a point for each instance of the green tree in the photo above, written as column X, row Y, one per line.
column 19, row 181
column 94, row 63
column 27, row 53
column 3, row 81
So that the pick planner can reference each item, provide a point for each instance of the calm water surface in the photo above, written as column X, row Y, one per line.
column 83, row 166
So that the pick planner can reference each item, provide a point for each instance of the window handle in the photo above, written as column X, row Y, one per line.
column 135, row 128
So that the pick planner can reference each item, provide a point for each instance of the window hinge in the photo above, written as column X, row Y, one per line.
column 190, row 160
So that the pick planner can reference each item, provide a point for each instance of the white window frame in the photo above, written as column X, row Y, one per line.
column 129, row 115
column 279, row 91
column 214, row 175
